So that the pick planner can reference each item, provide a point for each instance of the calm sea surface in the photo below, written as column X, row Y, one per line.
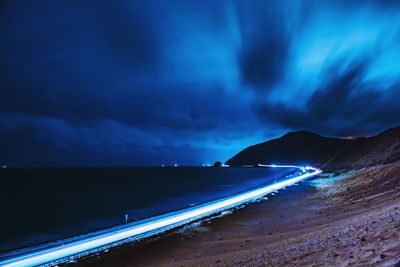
column 40, row 205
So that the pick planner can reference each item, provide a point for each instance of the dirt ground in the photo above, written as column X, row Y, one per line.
column 339, row 219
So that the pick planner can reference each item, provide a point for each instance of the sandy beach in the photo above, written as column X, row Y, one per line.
column 340, row 219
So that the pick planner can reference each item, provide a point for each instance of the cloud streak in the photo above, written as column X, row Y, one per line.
column 344, row 105
column 195, row 80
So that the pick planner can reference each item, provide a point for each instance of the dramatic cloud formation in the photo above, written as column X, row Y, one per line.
column 190, row 82
column 344, row 105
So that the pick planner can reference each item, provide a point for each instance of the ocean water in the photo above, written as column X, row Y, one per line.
column 45, row 204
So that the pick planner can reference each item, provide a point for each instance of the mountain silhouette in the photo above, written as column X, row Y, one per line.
column 306, row 148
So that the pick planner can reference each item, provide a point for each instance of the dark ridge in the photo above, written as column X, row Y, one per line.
column 306, row 148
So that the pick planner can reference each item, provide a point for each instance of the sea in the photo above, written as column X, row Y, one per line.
column 40, row 205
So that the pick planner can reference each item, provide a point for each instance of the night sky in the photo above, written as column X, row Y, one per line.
column 117, row 83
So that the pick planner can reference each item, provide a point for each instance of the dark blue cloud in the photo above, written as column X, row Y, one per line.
column 267, row 30
column 262, row 62
column 133, row 82
column 344, row 105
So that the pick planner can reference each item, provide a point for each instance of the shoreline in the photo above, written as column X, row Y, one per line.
column 97, row 242
column 353, row 219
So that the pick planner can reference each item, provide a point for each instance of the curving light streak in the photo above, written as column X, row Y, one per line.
column 159, row 224
column 303, row 169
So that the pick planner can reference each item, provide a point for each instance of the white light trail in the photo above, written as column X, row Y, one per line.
column 158, row 225
column 303, row 169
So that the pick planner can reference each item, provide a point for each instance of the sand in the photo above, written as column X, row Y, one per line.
column 348, row 219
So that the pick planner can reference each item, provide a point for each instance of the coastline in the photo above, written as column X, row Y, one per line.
column 97, row 242
column 351, row 219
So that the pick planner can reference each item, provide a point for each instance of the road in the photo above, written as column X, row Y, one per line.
column 65, row 250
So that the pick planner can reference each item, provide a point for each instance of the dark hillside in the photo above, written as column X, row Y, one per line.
column 307, row 148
